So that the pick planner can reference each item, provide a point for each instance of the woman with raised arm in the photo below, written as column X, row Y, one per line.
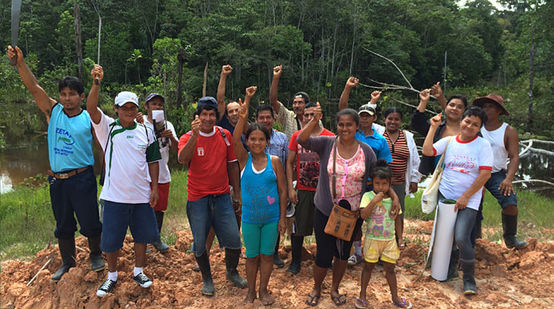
column 351, row 165
column 264, row 201
column 467, row 167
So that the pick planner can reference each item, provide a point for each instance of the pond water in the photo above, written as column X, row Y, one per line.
column 18, row 163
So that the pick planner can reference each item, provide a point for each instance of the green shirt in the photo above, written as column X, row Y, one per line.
column 380, row 225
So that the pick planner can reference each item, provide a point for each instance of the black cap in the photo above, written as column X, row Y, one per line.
column 154, row 95
column 207, row 101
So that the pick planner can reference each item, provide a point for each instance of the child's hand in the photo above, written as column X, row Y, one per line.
column 378, row 197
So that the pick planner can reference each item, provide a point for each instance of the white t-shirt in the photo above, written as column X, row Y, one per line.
column 462, row 163
column 165, row 145
column 127, row 178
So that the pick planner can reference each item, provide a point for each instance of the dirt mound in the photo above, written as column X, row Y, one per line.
column 505, row 278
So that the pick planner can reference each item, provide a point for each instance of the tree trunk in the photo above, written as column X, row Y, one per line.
column 531, row 76
column 181, row 58
column 78, row 42
column 205, row 79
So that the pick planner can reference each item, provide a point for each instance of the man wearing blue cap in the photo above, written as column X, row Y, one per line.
column 167, row 139
column 207, row 152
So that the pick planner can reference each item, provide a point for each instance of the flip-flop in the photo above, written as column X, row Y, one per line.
column 404, row 303
column 339, row 299
column 360, row 303
column 313, row 300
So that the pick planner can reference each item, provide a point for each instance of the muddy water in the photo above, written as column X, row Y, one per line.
column 18, row 163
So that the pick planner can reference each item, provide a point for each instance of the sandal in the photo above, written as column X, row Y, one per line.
column 313, row 300
column 339, row 299
column 361, row 303
column 404, row 303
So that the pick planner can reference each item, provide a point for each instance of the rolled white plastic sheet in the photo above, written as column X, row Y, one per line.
column 441, row 243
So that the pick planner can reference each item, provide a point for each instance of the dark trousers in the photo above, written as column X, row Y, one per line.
column 75, row 196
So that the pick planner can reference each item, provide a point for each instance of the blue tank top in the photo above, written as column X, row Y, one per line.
column 260, row 198
column 69, row 140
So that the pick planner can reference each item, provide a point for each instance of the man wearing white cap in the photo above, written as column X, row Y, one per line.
column 131, row 154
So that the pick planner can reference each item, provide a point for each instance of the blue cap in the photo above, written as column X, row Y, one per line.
column 208, row 102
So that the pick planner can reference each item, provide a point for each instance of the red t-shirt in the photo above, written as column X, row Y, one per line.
column 208, row 166
column 307, row 163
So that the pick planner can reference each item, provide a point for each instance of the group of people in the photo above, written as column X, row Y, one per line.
column 242, row 176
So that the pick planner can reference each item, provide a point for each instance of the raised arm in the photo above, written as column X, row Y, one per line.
column 97, row 74
column 225, row 71
column 43, row 101
column 436, row 91
column 186, row 153
column 351, row 82
column 277, row 71
column 240, row 152
column 428, row 143
column 310, row 127
column 424, row 96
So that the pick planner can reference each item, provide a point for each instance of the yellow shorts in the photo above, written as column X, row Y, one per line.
column 387, row 250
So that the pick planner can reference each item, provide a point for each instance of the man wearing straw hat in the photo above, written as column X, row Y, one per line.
column 505, row 145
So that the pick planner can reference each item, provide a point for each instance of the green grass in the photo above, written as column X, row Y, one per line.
column 27, row 223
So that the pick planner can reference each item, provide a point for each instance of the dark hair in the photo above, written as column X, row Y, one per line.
column 393, row 110
column 265, row 107
column 304, row 96
column 72, row 83
column 460, row 97
column 349, row 112
column 382, row 171
column 477, row 112
column 258, row 127
column 201, row 108
column 310, row 104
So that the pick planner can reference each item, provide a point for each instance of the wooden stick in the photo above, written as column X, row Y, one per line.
column 43, row 266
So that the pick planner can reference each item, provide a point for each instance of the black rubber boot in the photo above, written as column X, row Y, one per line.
column 277, row 261
column 296, row 243
column 159, row 219
column 159, row 244
column 509, row 224
column 231, row 262
column 203, row 262
column 96, row 261
column 470, row 287
column 453, row 266
column 67, row 251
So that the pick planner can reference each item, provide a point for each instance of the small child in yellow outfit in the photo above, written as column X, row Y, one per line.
column 379, row 239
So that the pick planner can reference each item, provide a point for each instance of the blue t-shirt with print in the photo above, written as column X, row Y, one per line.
column 69, row 140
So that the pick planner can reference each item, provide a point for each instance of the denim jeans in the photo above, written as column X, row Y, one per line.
column 213, row 211
column 465, row 221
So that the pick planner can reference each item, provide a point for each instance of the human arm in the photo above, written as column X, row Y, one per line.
column 428, row 143
column 187, row 151
column 240, row 152
column 436, row 91
column 351, row 82
column 225, row 71
column 482, row 178
column 511, row 142
column 293, row 195
column 375, row 95
column 308, row 129
column 43, row 101
column 154, row 170
column 233, row 170
column 282, row 189
column 367, row 210
column 170, row 134
column 277, row 71
column 97, row 74
column 424, row 97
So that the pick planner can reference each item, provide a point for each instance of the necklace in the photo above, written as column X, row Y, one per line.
column 391, row 142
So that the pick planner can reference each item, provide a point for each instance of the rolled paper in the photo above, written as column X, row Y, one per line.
column 443, row 231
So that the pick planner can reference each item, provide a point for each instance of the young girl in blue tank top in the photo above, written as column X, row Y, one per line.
column 264, row 201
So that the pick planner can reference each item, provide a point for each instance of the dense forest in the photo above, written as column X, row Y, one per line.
column 472, row 48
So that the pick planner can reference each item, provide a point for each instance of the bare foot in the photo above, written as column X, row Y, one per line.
column 250, row 296
column 266, row 299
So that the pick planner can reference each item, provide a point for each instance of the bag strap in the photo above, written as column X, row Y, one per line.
column 224, row 136
column 334, row 176
column 441, row 160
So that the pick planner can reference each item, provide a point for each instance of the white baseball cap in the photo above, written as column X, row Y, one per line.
column 125, row 97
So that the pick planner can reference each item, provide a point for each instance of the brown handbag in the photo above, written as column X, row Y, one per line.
column 341, row 222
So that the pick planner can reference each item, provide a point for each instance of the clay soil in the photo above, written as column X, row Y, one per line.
column 505, row 279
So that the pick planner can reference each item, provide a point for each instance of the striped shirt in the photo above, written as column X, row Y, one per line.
column 400, row 156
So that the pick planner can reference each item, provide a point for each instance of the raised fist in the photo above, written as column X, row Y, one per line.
column 226, row 69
